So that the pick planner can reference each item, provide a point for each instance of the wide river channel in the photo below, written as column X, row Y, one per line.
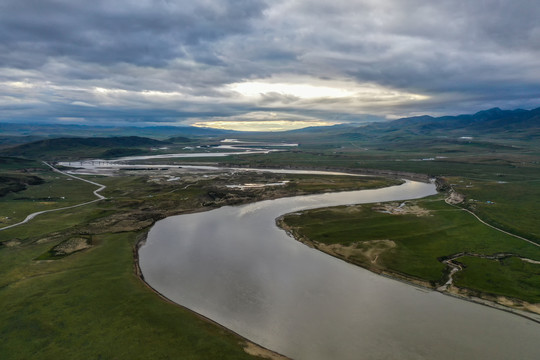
column 236, row 267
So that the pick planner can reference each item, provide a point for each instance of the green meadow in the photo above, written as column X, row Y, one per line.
column 421, row 240
column 91, row 304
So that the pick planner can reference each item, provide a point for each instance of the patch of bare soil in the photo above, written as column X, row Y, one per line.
column 351, row 209
column 495, row 301
column 455, row 198
column 364, row 254
column 45, row 240
column 123, row 222
column 534, row 308
column 368, row 250
column 404, row 208
column 256, row 350
column 50, row 238
column 70, row 246
column 12, row 243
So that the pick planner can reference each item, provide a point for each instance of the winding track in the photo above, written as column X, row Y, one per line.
column 33, row 215
column 101, row 197
column 491, row 226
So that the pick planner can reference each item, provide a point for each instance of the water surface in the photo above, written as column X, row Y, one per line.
column 236, row 267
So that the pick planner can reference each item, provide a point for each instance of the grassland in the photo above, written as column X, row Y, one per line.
column 91, row 304
column 499, row 181
column 419, row 242
column 510, row 277
column 502, row 171
column 512, row 206
column 56, row 191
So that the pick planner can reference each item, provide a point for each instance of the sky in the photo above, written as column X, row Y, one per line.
column 264, row 65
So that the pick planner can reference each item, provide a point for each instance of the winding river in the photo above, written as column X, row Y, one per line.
column 234, row 266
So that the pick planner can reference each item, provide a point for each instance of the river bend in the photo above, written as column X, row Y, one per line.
column 236, row 267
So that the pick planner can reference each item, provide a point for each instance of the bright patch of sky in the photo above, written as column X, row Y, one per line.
column 301, row 91
column 262, row 121
column 267, row 125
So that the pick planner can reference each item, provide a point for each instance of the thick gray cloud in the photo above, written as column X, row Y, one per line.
column 138, row 32
column 187, row 61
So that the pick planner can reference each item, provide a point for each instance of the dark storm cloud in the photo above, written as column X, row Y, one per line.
column 102, row 31
column 422, row 44
column 165, row 60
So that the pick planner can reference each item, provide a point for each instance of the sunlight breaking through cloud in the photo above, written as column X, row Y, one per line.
column 262, row 121
column 291, row 89
column 266, row 125
column 301, row 91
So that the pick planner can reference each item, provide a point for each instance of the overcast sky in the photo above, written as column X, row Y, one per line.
column 250, row 64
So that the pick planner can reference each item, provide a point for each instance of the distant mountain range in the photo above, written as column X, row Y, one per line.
column 492, row 120
column 515, row 124
column 105, row 142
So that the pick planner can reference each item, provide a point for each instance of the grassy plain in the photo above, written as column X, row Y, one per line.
column 510, row 277
column 91, row 304
column 512, row 206
column 499, row 179
column 421, row 241
column 503, row 171
column 57, row 191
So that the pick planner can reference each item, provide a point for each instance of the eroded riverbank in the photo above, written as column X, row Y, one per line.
column 339, row 232
column 377, row 247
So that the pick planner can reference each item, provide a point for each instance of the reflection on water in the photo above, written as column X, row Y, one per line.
column 236, row 267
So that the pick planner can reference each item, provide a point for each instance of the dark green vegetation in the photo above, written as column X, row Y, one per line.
column 482, row 159
column 421, row 240
column 29, row 190
column 66, row 148
column 90, row 305
column 512, row 206
column 509, row 277
column 24, row 132
column 15, row 183
column 14, row 163
column 60, row 301
column 498, row 175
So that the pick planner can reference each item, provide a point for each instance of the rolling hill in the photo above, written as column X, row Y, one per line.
column 83, row 147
